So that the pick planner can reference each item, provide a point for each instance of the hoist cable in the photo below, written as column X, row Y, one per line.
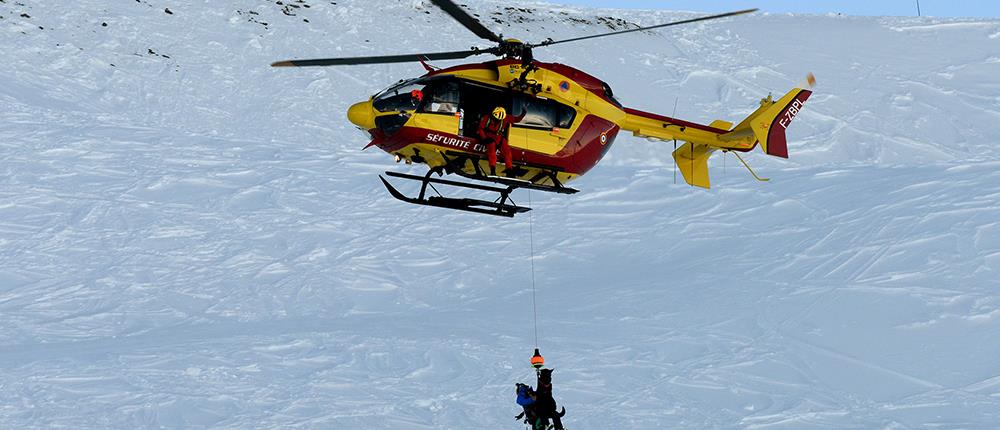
column 531, row 241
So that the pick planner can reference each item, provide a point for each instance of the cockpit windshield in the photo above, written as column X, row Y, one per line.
column 405, row 95
column 399, row 97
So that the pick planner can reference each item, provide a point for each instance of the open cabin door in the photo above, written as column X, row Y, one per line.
column 477, row 101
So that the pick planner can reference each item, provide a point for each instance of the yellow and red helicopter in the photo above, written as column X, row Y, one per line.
column 570, row 120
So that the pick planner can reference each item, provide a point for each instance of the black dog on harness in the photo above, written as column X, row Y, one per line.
column 545, row 406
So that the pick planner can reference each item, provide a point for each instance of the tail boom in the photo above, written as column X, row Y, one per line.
column 766, row 126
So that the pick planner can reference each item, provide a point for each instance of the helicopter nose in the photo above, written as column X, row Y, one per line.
column 362, row 115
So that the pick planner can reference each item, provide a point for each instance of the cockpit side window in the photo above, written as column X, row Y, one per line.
column 441, row 97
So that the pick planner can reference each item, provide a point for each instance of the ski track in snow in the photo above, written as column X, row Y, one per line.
column 191, row 239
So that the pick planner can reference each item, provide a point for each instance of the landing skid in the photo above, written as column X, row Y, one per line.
column 499, row 207
column 518, row 183
column 502, row 206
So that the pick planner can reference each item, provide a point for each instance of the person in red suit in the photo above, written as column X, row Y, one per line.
column 492, row 132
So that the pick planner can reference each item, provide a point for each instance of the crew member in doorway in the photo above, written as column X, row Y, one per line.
column 492, row 132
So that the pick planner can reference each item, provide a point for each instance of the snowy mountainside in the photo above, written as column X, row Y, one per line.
column 192, row 239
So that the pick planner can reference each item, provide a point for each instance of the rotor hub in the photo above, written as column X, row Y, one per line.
column 516, row 49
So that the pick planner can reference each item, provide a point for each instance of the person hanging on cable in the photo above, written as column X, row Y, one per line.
column 526, row 399
column 492, row 131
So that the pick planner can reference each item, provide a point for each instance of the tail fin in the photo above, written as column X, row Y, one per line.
column 770, row 127
column 769, row 122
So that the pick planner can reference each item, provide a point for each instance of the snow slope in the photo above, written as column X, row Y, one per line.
column 191, row 239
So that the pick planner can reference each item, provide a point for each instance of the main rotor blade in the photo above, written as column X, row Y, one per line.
column 467, row 20
column 686, row 21
column 383, row 59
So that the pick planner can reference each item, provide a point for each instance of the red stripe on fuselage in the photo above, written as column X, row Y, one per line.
column 674, row 121
column 583, row 150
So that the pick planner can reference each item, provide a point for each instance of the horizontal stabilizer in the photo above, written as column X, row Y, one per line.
column 720, row 124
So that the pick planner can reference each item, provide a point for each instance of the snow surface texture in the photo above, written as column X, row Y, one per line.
column 192, row 239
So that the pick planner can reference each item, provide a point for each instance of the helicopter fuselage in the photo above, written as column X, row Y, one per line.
column 571, row 118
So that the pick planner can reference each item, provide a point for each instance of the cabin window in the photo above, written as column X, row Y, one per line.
column 441, row 97
column 542, row 113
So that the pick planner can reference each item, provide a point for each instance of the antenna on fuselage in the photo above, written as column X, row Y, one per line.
column 674, row 115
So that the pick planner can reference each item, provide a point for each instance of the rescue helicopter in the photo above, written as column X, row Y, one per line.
column 570, row 120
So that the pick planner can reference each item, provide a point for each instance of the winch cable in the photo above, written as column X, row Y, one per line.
column 531, row 241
